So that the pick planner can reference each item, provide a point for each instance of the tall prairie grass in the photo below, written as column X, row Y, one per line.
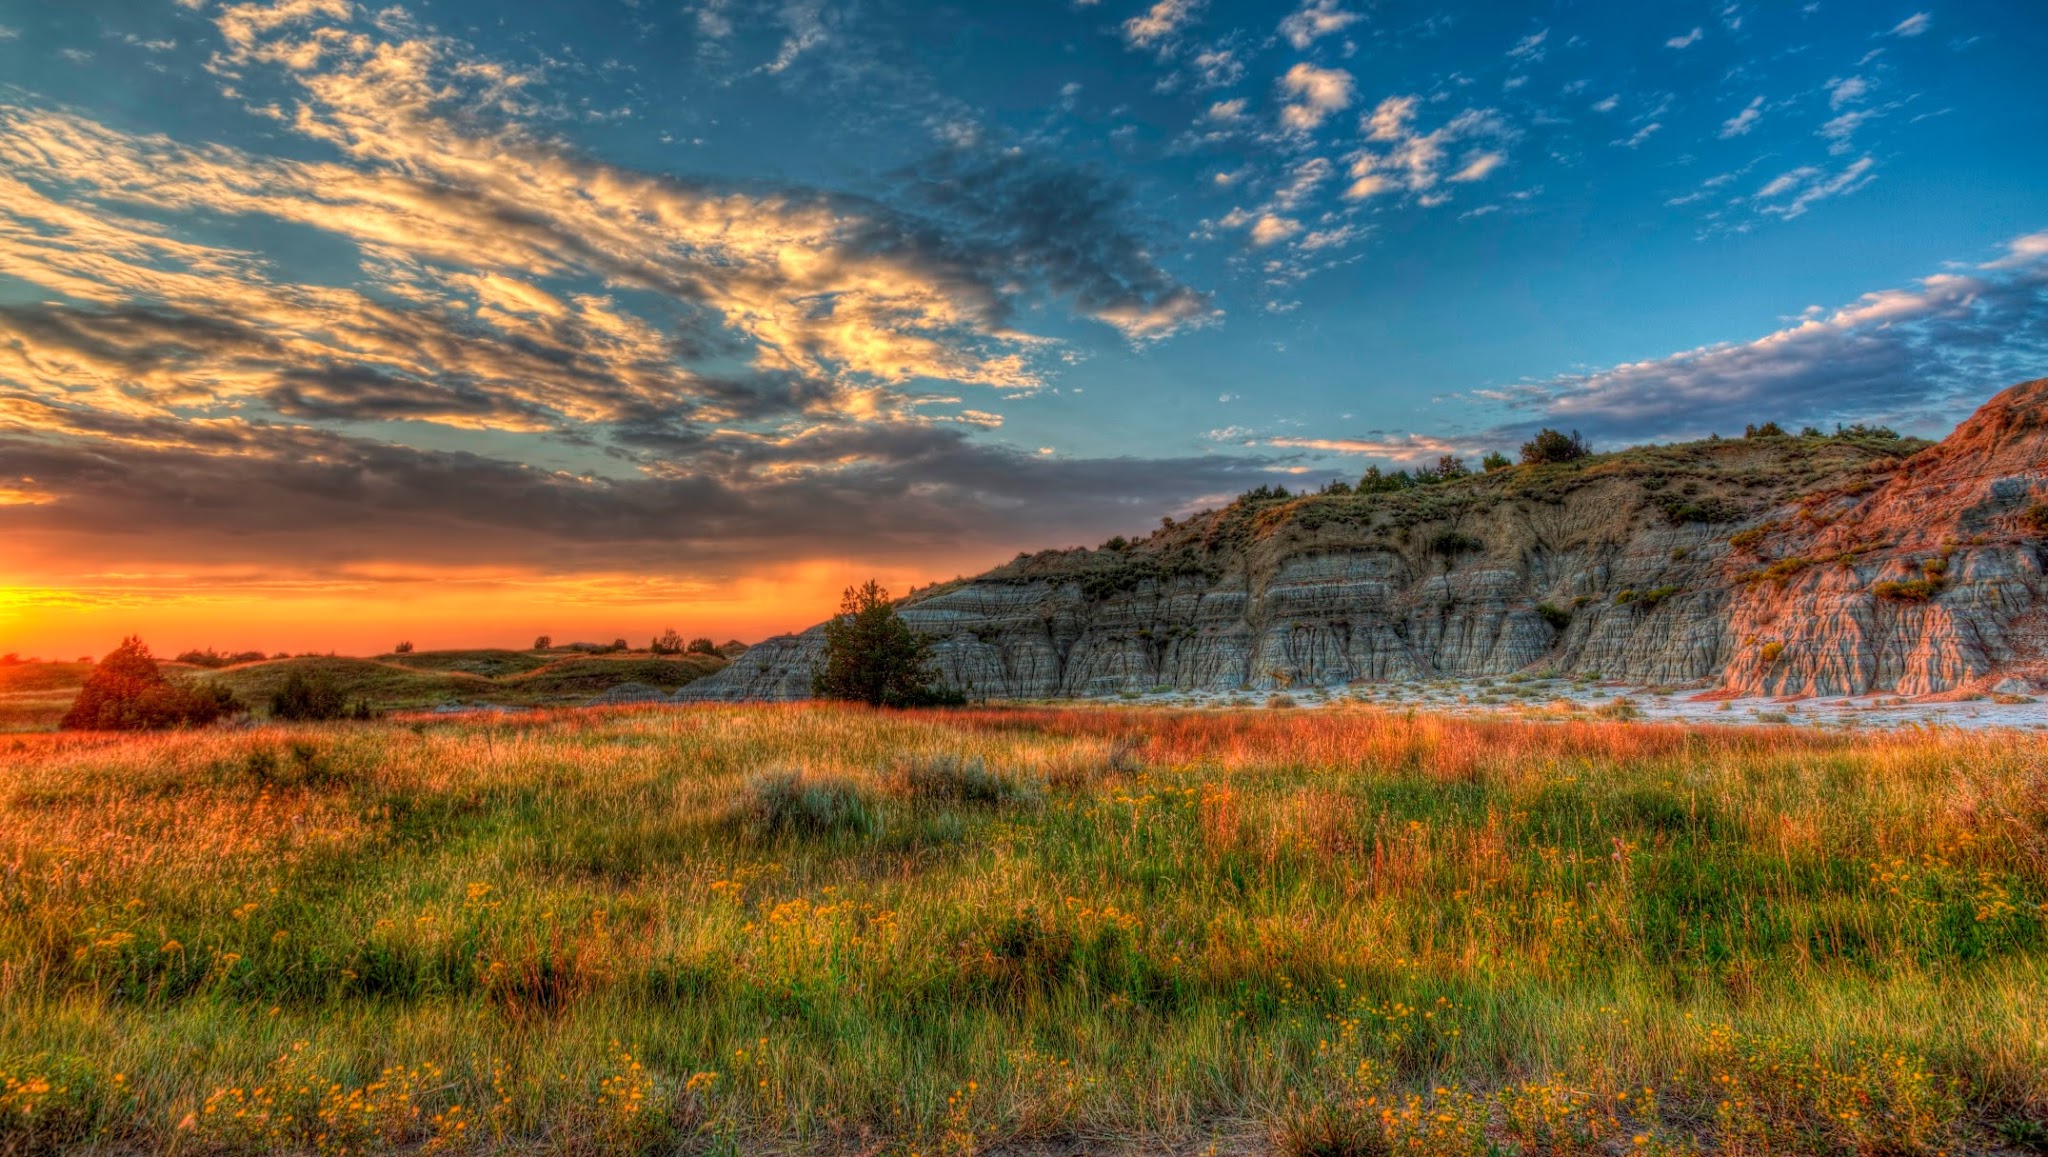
column 815, row 928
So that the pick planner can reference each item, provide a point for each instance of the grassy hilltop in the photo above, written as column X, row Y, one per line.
column 34, row 696
column 821, row 929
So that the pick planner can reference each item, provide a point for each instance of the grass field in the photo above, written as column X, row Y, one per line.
column 823, row 929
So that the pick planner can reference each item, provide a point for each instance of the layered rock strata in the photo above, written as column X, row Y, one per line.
column 1785, row 566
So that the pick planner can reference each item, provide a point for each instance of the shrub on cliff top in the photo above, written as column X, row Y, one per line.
column 1549, row 446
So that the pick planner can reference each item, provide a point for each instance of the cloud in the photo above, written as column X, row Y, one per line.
column 1409, row 448
column 7, row 33
column 296, row 499
column 1740, row 124
column 1404, row 160
column 694, row 348
column 1918, row 356
column 1791, row 194
column 1227, row 111
column 1217, row 68
column 1479, row 167
column 1913, row 25
column 1270, row 229
column 1314, row 20
column 1313, row 94
column 1066, row 230
column 1847, row 91
column 1840, row 131
column 1530, row 47
column 1687, row 40
column 1635, row 140
column 1159, row 27
column 1607, row 105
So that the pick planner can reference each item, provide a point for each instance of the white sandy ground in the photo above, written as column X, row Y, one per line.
column 1539, row 698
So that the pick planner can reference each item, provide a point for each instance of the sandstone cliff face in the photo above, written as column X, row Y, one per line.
column 1758, row 566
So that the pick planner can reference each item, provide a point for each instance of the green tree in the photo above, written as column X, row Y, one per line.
column 669, row 642
column 872, row 656
column 1495, row 460
column 703, row 646
column 126, row 692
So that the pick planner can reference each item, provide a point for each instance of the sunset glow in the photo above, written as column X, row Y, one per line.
column 324, row 323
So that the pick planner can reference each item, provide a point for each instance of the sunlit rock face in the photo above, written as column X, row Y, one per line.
column 1781, row 566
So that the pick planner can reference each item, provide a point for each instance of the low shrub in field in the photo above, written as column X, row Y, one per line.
column 1019, row 957
column 316, row 700
column 963, row 779
column 793, row 803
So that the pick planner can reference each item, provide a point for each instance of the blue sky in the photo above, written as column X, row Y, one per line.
column 295, row 290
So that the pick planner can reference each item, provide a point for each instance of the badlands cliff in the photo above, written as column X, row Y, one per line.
column 1777, row 565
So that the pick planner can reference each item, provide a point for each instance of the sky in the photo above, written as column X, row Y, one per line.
column 326, row 324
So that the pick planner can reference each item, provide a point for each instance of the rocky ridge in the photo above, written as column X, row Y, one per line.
column 1779, row 565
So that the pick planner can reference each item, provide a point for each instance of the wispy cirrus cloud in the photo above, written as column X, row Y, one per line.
column 1742, row 122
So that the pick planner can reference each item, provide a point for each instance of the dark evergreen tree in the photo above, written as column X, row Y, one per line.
column 872, row 656
column 127, row 692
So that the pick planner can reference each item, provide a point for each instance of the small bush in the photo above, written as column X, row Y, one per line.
column 1771, row 652
column 1451, row 542
column 1558, row 617
column 1019, row 957
column 315, row 700
column 953, row 779
column 788, row 803
column 2036, row 518
column 215, row 660
column 404, row 648
column 1910, row 591
column 1650, row 598
column 1326, row 1129
column 1747, row 541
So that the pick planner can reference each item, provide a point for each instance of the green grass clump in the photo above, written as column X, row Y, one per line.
column 791, row 803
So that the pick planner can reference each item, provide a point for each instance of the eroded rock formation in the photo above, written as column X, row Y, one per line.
column 1790, row 566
